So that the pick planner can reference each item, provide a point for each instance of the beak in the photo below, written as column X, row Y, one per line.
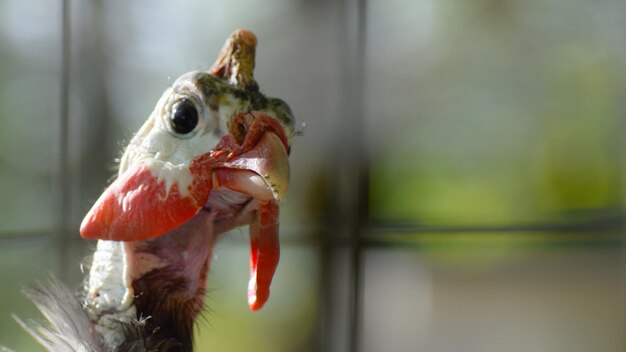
column 152, row 197
column 268, row 170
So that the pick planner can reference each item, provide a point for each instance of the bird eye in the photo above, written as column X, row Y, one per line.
column 184, row 117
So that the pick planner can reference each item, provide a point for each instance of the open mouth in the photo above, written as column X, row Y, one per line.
column 258, row 167
column 258, row 170
column 241, row 182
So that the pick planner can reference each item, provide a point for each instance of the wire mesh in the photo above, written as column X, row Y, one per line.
column 349, row 229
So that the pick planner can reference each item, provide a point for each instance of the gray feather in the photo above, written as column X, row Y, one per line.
column 68, row 328
column 139, row 338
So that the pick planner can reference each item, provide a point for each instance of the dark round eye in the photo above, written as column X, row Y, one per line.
column 184, row 117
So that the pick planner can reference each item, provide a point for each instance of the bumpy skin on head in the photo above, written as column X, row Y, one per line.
column 175, row 193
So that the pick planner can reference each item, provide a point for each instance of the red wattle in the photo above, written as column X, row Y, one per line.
column 137, row 206
column 264, row 254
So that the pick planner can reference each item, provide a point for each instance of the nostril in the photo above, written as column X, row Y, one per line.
column 240, row 133
column 238, row 129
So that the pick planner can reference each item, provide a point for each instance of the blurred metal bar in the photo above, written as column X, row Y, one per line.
column 360, row 184
column 609, row 223
column 100, row 149
column 64, row 173
column 523, row 243
column 610, row 238
column 622, row 288
column 379, row 231
column 347, row 210
column 620, row 150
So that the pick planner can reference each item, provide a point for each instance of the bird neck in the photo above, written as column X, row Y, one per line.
column 159, row 282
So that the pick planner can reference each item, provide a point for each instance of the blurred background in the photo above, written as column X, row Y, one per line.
column 459, row 186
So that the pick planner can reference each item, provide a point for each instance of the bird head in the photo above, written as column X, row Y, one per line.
column 215, row 146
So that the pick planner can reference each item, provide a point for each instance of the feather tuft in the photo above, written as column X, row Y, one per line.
column 68, row 327
column 139, row 337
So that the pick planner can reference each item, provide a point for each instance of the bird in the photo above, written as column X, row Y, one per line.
column 211, row 157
